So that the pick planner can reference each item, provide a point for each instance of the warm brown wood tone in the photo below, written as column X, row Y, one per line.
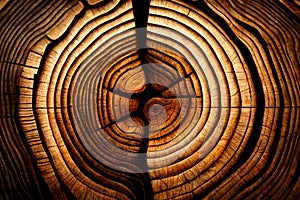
column 204, row 104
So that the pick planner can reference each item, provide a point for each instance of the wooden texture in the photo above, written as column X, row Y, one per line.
column 114, row 99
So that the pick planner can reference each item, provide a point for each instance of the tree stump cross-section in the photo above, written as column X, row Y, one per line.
column 149, row 99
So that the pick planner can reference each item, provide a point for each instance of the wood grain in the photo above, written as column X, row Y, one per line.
column 147, row 99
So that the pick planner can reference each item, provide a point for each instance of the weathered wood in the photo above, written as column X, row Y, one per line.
column 176, row 100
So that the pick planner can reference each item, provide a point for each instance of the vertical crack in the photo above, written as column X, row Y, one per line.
column 141, row 12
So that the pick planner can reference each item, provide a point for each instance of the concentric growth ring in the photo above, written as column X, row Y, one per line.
column 186, row 106
column 185, row 74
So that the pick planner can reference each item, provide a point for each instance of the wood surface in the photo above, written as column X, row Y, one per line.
column 160, row 99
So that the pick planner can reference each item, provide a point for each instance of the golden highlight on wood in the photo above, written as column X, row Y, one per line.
column 149, row 99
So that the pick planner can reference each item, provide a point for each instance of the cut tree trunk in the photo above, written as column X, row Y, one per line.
column 149, row 99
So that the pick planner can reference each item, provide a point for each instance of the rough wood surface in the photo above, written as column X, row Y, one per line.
column 157, row 99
